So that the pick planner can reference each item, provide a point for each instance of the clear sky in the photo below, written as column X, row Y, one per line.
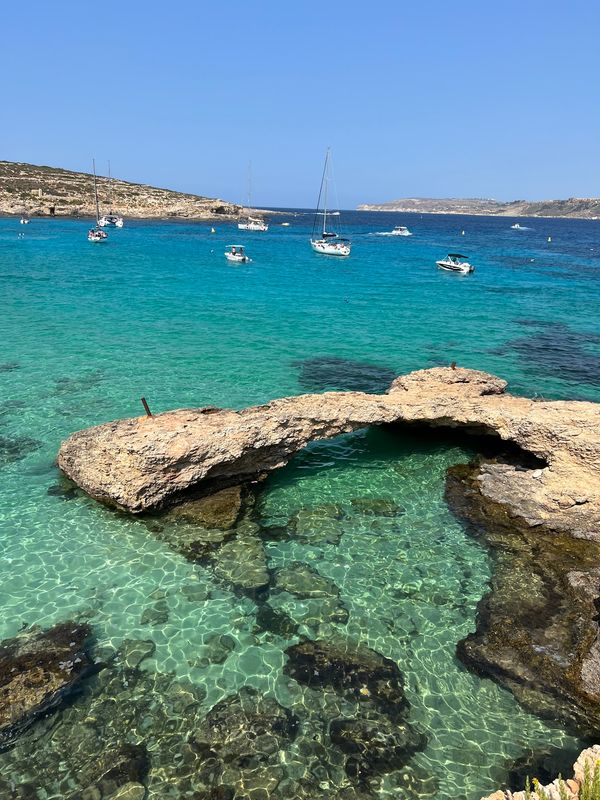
column 430, row 98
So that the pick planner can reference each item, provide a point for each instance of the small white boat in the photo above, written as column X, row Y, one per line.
column 253, row 224
column 285, row 224
column 455, row 262
column 328, row 243
column 236, row 253
column 110, row 221
column 24, row 221
column 97, row 235
column 517, row 227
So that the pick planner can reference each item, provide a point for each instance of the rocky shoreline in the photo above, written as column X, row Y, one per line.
column 26, row 189
column 535, row 504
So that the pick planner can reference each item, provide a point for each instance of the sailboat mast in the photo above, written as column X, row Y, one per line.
column 109, row 189
column 249, row 184
column 95, row 191
column 326, row 180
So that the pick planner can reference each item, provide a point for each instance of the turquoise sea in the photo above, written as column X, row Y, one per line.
column 157, row 311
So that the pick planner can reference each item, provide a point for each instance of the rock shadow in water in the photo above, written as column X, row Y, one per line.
column 556, row 350
column 15, row 449
column 333, row 373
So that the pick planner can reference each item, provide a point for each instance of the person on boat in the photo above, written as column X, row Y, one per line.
column 233, row 251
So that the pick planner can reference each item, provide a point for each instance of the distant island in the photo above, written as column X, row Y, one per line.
column 26, row 189
column 583, row 208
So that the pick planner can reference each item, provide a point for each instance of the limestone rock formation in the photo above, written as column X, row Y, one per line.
column 146, row 463
column 38, row 670
column 42, row 191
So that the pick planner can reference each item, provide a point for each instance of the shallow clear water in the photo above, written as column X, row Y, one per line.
column 86, row 330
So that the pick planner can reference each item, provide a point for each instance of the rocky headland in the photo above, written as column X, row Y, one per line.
column 575, row 207
column 533, row 498
column 27, row 189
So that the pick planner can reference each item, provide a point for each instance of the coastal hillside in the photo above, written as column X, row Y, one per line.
column 48, row 191
column 575, row 207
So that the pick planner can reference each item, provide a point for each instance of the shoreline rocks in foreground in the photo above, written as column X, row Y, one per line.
column 579, row 785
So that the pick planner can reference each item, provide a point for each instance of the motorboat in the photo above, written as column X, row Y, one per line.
column 517, row 227
column 110, row 221
column 455, row 262
column 285, row 224
column 97, row 235
column 328, row 243
column 400, row 230
column 253, row 224
column 24, row 221
column 237, row 253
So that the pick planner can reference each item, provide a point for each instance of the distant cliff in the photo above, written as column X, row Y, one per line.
column 584, row 208
column 42, row 191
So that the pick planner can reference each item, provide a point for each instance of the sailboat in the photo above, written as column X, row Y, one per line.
column 329, row 243
column 111, row 219
column 96, row 234
column 252, row 223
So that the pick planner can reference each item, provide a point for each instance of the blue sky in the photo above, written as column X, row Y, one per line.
column 432, row 98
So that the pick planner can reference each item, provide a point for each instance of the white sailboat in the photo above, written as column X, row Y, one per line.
column 252, row 223
column 110, row 220
column 96, row 234
column 328, row 243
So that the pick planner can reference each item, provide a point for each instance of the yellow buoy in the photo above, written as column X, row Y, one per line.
column 462, row 233
column 212, row 230
column 549, row 238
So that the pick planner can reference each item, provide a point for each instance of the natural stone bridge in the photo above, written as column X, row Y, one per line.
column 537, row 630
column 147, row 463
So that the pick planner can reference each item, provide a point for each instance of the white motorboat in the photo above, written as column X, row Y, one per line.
column 285, row 224
column 96, row 234
column 110, row 220
column 517, row 227
column 253, row 224
column 400, row 230
column 24, row 221
column 455, row 262
column 237, row 253
column 329, row 243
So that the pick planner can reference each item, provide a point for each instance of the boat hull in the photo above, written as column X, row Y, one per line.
column 327, row 248
column 462, row 269
column 237, row 259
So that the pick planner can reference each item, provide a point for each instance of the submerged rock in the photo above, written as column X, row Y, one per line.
column 243, row 563
column 220, row 510
column 537, row 632
column 377, row 506
column 303, row 581
column 375, row 745
column 318, row 524
column 17, row 448
column 275, row 621
column 239, row 743
column 357, row 673
column 38, row 671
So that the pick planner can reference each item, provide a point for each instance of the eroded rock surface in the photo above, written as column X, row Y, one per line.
column 38, row 671
column 146, row 463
